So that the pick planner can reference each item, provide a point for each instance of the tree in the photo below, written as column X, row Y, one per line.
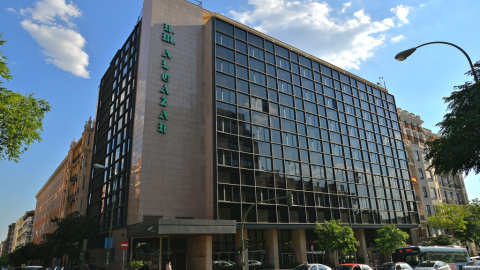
column 67, row 239
column 21, row 117
column 390, row 238
column 458, row 146
column 471, row 233
column 449, row 216
column 332, row 237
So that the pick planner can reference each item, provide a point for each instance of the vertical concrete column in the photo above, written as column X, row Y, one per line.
column 362, row 249
column 415, row 236
column 299, row 246
column 238, row 243
column 272, row 247
column 199, row 252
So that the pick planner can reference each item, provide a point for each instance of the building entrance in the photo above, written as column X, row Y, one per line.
column 156, row 251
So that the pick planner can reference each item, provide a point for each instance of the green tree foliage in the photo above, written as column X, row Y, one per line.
column 26, row 254
column 458, row 147
column 21, row 117
column 67, row 239
column 134, row 265
column 334, row 237
column 390, row 238
column 472, row 226
column 5, row 260
column 449, row 216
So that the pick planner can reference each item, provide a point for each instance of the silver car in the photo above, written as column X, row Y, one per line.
column 472, row 265
column 433, row 265
column 308, row 266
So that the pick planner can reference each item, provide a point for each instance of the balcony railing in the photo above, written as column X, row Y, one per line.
column 73, row 178
column 75, row 158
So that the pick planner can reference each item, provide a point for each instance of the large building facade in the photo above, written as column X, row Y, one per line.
column 200, row 117
column 433, row 189
column 50, row 200
column 79, row 162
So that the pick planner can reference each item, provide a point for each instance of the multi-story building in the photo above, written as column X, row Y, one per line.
column 23, row 230
column 50, row 202
column 200, row 118
column 433, row 189
column 8, row 243
column 79, row 162
column 66, row 189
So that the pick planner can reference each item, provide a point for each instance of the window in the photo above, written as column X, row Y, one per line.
column 429, row 211
column 417, row 156
column 429, row 175
column 420, row 173
column 425, row 193
column 433, row 193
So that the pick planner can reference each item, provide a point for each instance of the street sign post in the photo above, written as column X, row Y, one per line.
column 124, row 247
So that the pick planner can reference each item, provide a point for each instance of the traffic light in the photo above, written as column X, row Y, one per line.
column 289, row 199
column 246, row 245
column 239, row 250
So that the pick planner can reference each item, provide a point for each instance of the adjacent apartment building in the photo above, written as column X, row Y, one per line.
column 433, row 189
column 200, row 117
column 66, row 189
column 23, row 230
column 79, row 162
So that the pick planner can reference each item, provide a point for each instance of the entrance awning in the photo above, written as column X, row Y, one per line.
column 181, row 227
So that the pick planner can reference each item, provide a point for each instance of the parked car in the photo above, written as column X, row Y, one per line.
column 433, row 265
column 311, row 266
column 353, row 266
column 254, row 262
column 472, row 265
column 223, row 263
column 395, row 266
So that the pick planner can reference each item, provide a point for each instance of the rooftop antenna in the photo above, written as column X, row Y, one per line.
column 380, row 82
column 199, row 2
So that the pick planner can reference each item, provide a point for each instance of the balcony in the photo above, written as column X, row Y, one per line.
column 75, row 159
column 71, row 198
column 74, row 178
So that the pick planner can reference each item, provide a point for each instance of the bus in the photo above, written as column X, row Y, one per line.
column 455, row 256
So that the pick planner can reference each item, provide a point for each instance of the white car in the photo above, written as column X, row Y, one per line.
column 254, row 262
column 308, row 266
column 433, row 265
column 472, row 265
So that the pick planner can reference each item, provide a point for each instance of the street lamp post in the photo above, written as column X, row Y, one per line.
column 289, row 198
column 98, row 166
column 404, row 54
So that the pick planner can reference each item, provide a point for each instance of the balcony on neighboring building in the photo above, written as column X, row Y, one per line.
column 73, row 178
column 75, row 159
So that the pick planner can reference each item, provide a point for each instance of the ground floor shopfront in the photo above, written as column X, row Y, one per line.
column 199, row 244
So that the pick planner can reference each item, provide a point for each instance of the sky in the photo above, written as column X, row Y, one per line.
column 59, row 50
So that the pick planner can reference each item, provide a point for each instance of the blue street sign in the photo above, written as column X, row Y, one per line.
column 106, row 242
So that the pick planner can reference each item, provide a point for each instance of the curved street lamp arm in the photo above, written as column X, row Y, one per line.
column 465, row 53
column 403, row 55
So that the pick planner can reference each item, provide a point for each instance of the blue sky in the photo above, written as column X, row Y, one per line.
column 60, row 49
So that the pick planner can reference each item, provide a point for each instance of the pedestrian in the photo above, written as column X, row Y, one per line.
column 93, row 265
column 168, row 266
column 144, row 266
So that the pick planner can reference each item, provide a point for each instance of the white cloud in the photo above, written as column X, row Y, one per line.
column 311, row 25
column 50, row 23
column 397, row 38
column 401, row 12
column 11, row 10
column 345, row 6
